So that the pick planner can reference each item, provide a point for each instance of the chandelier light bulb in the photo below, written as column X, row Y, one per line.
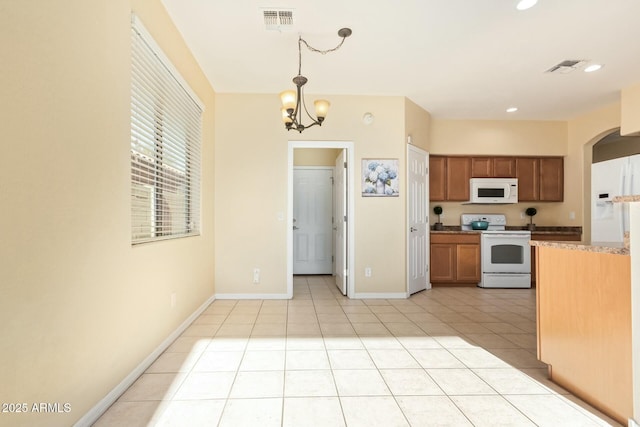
column 322, row 107
column 288, row 99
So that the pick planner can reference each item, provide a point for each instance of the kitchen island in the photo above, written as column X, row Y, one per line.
column 633, row 240
column 584, row 321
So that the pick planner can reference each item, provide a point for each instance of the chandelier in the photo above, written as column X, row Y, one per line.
column 293, row 100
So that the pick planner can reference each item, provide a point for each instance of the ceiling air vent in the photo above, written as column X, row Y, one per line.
column 567, row 66
column 278, row 19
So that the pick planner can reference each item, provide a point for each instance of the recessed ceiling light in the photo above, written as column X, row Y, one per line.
column 526, row 4
column 512, row 109
column 591, row 68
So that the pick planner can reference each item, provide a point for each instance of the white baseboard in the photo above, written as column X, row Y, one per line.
column 96, row 412
column 381, row 295
column 253, row 296
column 632, row 423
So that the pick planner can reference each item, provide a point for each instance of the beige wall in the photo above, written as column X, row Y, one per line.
column 505, row 137
column 249, row 231
column 417, row 123
column 510, row 138
column 80, row 307
column 584, row 132
column 630, row 110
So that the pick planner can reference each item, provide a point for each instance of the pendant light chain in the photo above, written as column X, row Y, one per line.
column 293, row 101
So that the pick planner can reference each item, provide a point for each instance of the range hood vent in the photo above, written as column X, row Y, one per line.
column 278, row 19
column 567, row 66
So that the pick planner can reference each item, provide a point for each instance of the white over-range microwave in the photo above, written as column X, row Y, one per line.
column 493, row 190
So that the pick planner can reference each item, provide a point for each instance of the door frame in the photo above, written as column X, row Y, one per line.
column 349, row 148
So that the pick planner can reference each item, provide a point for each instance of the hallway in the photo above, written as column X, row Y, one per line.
column 448, row 356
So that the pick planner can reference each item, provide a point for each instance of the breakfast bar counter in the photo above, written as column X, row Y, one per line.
column 584, row 321
column 600, row 247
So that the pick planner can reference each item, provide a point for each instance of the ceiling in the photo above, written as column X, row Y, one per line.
column 458, row 59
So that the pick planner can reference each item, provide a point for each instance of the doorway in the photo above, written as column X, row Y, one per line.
column 343, row 229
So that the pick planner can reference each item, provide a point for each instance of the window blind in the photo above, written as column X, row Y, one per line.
column 165, row 146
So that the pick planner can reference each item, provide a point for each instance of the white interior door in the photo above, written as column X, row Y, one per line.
column 312, row 211
column 418, row 220
column 340, row 223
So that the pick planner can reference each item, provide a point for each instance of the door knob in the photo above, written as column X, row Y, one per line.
column 295, row 228
column 413, row 229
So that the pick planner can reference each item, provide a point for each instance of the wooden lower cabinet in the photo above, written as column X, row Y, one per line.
column 455, row 258
column 551, row 237
column 443, row 261
column 468, row 263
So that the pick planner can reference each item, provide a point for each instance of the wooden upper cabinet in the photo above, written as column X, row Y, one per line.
column 539, row 178
column 458, row 175
column 504, row 167
column 551, row 179
column 437, row 178
column 481, row 167
column 527, row 174
column 493, row 167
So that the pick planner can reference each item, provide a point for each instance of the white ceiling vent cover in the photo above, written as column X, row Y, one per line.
column 278, row 19
column 567, row 66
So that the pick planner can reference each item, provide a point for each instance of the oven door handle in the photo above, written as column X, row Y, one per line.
column 507, row 235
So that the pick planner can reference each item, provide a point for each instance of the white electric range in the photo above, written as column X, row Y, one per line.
column 505, row 254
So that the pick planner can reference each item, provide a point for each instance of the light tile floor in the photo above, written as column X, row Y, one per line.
column 448, row 356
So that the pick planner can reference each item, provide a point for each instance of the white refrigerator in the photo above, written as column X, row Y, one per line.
column 616, row 177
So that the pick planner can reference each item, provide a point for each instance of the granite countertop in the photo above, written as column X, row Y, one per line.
column 620, row 199
column 539, row 230
column 451, row 229
column 601, row 247
column 551, row 230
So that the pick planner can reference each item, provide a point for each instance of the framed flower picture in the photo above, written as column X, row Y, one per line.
column 380, row 177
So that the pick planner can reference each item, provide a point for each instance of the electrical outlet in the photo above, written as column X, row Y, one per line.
column 256, row 275
column 521, row 215
column 572, row 216
column 173, row 300
column 367, row 272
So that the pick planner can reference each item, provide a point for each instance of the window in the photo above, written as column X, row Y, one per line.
column 165, row 146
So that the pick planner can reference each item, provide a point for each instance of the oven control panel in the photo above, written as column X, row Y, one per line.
column 496, row 221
